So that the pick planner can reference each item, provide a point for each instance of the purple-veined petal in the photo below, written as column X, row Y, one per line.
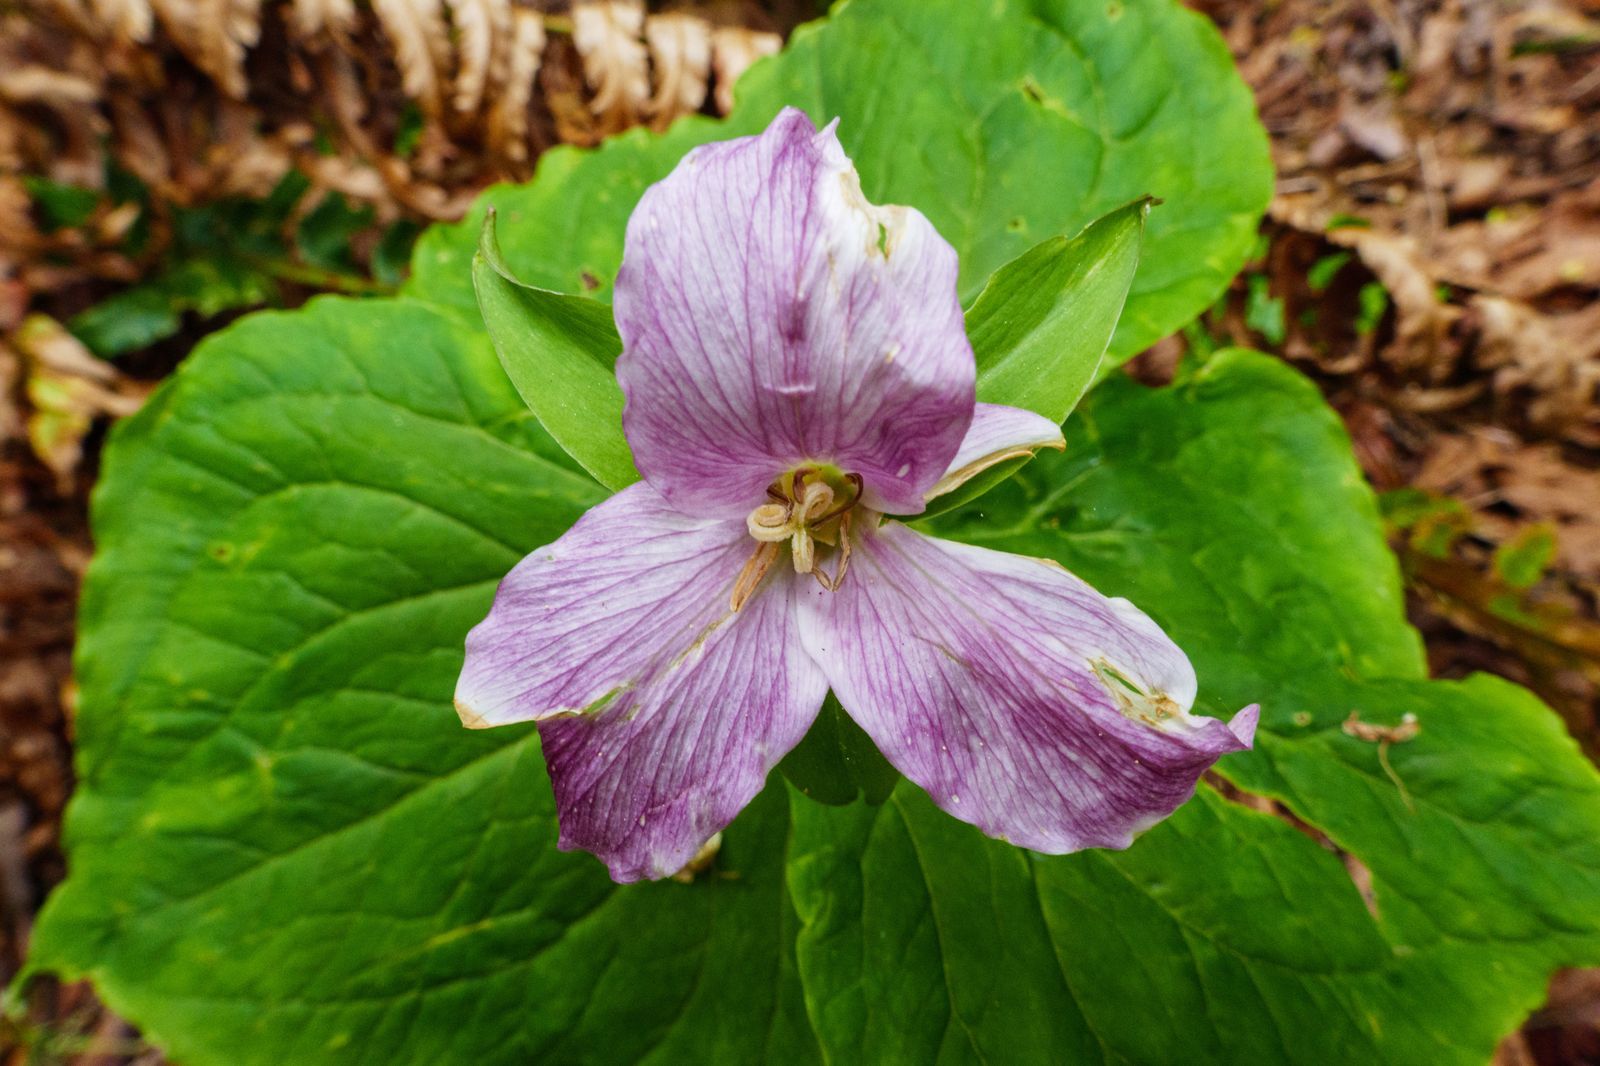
column 593, row 613
column 660, row 709
column 1011, row 691
column 770, row 316
column 997, row 433
column 646, row 781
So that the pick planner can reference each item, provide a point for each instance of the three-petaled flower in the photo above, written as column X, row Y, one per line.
column 797, row 375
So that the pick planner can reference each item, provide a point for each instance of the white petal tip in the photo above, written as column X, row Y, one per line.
column 1243, row 724
column 469, row 717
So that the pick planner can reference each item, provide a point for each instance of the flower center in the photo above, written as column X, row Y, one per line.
column 808, row 506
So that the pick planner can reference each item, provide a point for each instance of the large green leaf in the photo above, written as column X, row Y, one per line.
column 1006, row 122
column 1230, row 508
column 286, row 849
column 284, row 846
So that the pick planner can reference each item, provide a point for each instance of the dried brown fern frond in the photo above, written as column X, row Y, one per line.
column 609, row 37
column 311, row 19
column 227, row 29
column 506, row 129
column 680, row 48
column 409, row 107
column 481, row 28
column 125, row 20
column 733, row 50
column 416, row 28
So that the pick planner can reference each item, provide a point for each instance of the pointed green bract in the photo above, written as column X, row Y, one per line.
column 560, row 352
column 1040, row 327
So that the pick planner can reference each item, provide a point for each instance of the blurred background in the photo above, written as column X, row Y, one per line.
column 1431, row 259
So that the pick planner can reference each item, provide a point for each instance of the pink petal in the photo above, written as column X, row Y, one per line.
column 696, row 703
column 997, row 433
column 975, row 673
column 771, row 316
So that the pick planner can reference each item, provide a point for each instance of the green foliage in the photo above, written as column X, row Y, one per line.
column 1372, row 301
column 284, row 848
column 232, row 255
column 1006, row 123
column 1521, row 561
column 560, row 352
column 1041, row 325
column 837, row 763
column 60, row 206
column 1324, row 270
column 1263, row 312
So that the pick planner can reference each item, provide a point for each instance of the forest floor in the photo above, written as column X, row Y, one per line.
column 1431, row 259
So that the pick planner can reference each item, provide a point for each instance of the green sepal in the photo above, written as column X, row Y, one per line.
column 560, row 351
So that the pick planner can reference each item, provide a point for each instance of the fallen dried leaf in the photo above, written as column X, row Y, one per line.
column 680, row 46
column 733, row 50
column 67, row 388
column 615, row 62
column 506, row 131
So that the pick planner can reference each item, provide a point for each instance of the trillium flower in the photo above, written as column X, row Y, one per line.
column 797, row 378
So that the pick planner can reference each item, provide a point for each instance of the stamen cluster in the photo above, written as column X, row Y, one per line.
column 806, row 506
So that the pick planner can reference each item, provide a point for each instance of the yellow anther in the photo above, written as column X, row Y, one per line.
column 770, row 522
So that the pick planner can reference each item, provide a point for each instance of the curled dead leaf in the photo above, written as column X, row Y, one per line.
column 1547, row 364
column 1421, row 318
column 733, row 50
column 680, row 47
column 66, row 389
column 506, row 130
column 1372, row 733
column 607, row 35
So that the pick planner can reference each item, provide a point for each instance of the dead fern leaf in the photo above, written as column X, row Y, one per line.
column 615, row 62
column 481, row 29
column 181, row 21
column 75, row 15
column 311, row 19
column 11, row 154
column 126, row 21
column 228, row 28
column 733, row 50
column 506, row 128
column 35, row 84
column 138, row 145
column 67, row 389
column 421, row 47
column 680, row 47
